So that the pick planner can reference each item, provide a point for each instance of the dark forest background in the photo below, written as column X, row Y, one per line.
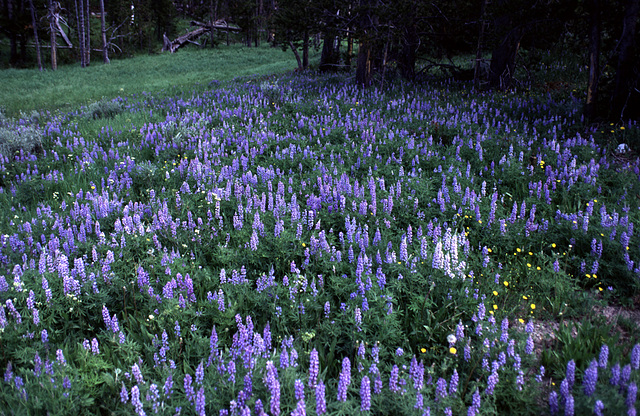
column 376, row 38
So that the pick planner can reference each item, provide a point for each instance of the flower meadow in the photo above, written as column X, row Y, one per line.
column 296, row 245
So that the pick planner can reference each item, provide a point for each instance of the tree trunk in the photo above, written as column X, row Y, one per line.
column 625, row 99
column 297, row 55
column 407, row 58
column 13, row 36
column 259, row 25
column 87, row 35
column 330, row 58
column 103, row 29
column 384, row 59
column 347, row 59
column 478, row 64
column 305, row 50
column 363, row 70
column 368, row 51
column 180, row 41
column 52, row 29
column 34, row 23
column 503, row 59
column 80, row 20
column 213, row 16
column 590, row 110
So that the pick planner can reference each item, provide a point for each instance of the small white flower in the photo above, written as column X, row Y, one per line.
column 451, row 339
column 622, row 148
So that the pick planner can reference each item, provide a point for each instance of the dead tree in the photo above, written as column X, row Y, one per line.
column 87, row 36
column 34, row 23
column 81, row 36
column 477, row 68
column 103, row 29
column 191, row 37
column 590, row 109
column 52, row 30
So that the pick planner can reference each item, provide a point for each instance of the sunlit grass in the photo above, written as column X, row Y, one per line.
column 69, row 86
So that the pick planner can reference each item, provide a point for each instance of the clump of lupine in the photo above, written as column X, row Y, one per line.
column 606, row 387
column 322, row 249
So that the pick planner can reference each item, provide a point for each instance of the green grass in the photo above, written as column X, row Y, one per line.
column 71, row 86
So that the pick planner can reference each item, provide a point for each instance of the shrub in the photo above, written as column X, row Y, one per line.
column 102, row 109
column 14, row 139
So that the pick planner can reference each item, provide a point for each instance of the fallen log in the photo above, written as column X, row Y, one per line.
column 190, row 37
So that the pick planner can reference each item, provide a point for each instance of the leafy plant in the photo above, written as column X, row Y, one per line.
column 102, row 109
column 579, row 342
column 15, row 139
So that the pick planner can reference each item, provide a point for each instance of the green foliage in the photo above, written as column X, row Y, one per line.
column 580, row 342
column 158, row 204
column 102, row 109
column 20, row 137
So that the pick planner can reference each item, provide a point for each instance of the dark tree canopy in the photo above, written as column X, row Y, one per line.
column 373, row 37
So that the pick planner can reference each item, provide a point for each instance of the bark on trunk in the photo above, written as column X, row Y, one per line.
column 590, row 109
column 80, row 19
column 258, row 23
column 305, row 50
column 503, row 59
column 213, row 16
column 347, row 58
column 384, row 59
column 103, row 29
column 330, row 57
column 478, row 64
column 172, row 46
column 60, row 30
column 364, row 71
column 87, row 34
column 297, row 55
column 367, row 49
column 52, row 29
column 13, row 37
column 407, row 58
column 626, row 95
column 34, row 23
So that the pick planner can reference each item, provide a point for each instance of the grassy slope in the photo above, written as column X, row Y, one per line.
column 70, row 86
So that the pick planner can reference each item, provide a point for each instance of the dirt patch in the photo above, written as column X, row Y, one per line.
column 616, row 315
column 623, row 320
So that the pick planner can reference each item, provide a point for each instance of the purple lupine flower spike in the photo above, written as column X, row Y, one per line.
column 299, row 390
column 590, row 379
column 604, row 356
column 632, row 392
column 345, row 379
column 569, row 408
column 553, row 403
column 273, row 385
column 441, row 389
column 598, row 408
column 571, row 373
column 365, row 394
column 321, row 404
column 635, row 357
column 200, row 402
column 314, row 367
